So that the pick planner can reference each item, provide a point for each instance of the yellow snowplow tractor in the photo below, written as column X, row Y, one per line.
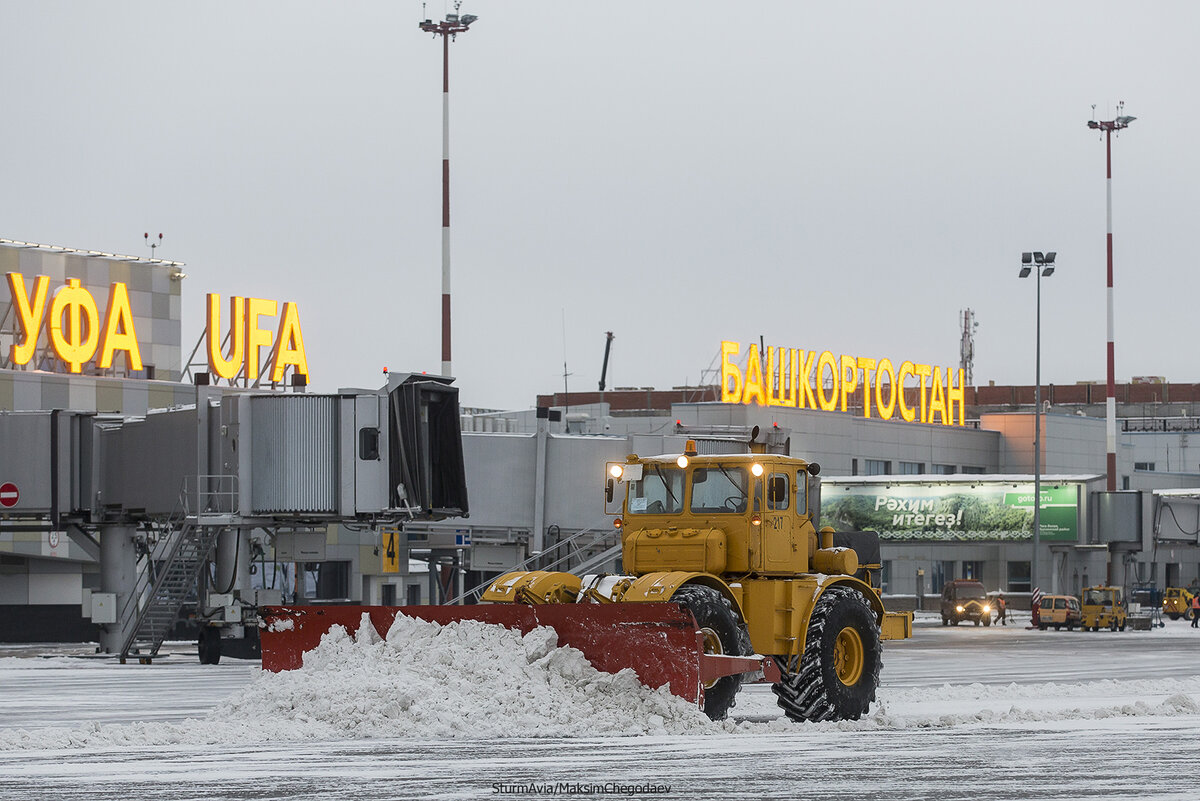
column 732, row 540
column 1103, row 608
column 1177, row 603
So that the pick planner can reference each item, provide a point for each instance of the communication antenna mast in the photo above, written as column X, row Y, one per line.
column 1106, row 129
column 152, row 244
column 448, row 29
column 566, row 375
column 966, row 351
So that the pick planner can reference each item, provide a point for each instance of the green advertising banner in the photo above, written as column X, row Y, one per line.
column 951, row 512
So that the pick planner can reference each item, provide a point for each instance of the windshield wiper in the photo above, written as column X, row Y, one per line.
column 666, row 486
column 734, row 483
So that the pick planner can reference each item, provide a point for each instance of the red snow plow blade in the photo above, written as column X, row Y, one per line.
column 659, row 641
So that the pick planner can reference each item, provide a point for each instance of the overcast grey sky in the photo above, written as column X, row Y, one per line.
column 835, row 175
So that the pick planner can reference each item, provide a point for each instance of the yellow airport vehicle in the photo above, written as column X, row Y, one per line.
column 1059, row 611
column 1103, row 608
column 1177, row 603
column 731, row 539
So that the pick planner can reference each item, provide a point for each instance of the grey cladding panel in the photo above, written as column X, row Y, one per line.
column 1119, row 516
column 25, row 461
column 294, row 454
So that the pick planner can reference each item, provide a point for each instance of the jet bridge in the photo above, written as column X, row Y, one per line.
column 157, row 498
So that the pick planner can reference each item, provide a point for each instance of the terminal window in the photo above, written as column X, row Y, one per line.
column 943, row 571
column 975, row 470
column 973, row 570
column 878, row 467
column 1143, row 465
column 1018, row 577
column 912, row 468
column 944, row 469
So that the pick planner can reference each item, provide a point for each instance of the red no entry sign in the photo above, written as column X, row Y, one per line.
column 9, row 494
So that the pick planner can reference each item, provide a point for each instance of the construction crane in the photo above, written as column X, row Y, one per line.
column 607, row 349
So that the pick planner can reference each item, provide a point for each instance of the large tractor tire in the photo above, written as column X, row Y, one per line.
column 839, row 669
column 1175, row 616
column 723, row 633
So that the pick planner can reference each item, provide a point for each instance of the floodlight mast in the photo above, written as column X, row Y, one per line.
column 448, row 29
column 1110, row 414
column 1045, row 268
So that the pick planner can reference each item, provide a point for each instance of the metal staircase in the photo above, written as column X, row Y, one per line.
column 172, row 567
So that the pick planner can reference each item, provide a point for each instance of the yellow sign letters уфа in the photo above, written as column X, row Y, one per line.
column 77, row 334
column 75, row 339
column 803, row 379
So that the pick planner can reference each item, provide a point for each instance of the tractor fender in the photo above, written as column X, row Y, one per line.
column 661, row 586
column 859, row 585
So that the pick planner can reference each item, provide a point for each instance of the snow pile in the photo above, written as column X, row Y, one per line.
column 425, row 681
column 464, row 679
column 1176, row 705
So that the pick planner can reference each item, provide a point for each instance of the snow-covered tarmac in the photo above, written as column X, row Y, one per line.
column 963, row 712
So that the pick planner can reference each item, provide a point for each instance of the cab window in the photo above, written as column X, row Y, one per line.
column 720, row 490
column 778, row 492
column 660, row 491
column 802, row 493
column 1060, row 603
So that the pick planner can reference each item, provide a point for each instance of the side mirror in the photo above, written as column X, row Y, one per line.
column 609, row 490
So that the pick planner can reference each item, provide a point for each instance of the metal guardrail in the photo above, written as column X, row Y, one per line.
column 215, row 494
column 532, row 563
column 1155, row 424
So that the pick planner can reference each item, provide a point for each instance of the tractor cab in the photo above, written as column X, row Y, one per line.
column 720, row 514
column 1103, row 607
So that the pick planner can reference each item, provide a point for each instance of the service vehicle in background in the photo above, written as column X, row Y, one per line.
column 1059, row 611
column 1103, row 608
column 1177, row 603
column 965, row 599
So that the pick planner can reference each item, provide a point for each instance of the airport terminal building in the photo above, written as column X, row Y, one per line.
column 944, row 471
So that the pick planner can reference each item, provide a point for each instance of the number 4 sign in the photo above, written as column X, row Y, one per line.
column 391, row 551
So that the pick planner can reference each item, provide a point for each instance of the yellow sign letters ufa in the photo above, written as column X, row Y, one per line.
column 248, row 338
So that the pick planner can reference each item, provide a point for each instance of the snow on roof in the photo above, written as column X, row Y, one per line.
column 960, row 478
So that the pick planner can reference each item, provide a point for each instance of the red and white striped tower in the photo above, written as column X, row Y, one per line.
column 448, row 29
column 1111, row 400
